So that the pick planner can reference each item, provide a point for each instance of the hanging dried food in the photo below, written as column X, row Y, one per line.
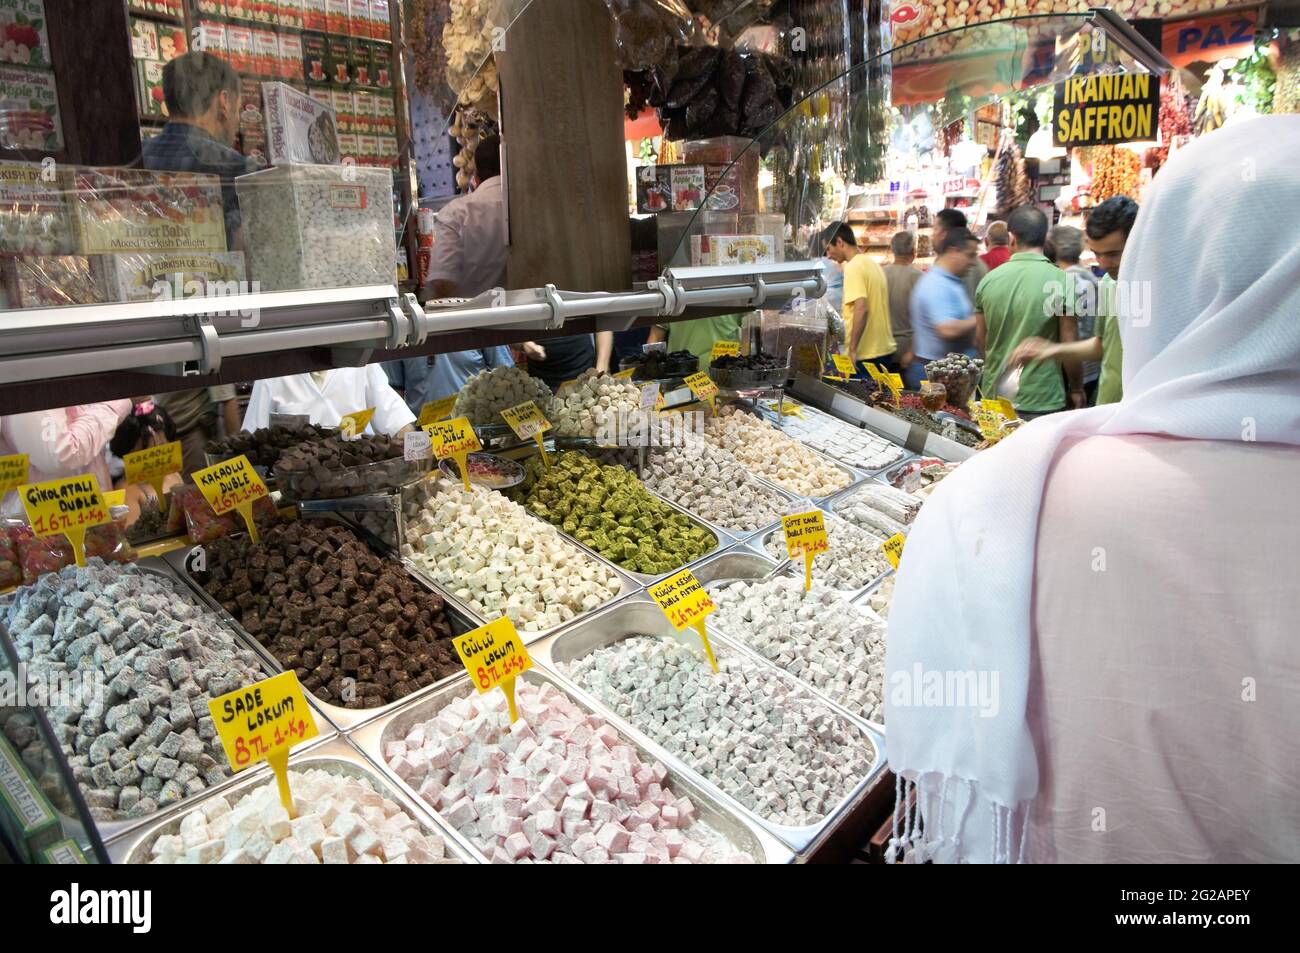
column 467, row 38
column 1286, row 94
column 427, row 20
column 647, row 32
column 1114, row 172
column 1010, row 180
column 1174, row 118
column 717, row 93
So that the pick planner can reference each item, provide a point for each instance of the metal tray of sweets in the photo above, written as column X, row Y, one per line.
column 336, row 757
column 109, row 830
column 641, row 616
column 742, row 566
column 342, row 718
column 372, row 738
column 383, row 546
column 760, row 543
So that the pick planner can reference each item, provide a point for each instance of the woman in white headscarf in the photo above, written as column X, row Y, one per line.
column 1122, row 581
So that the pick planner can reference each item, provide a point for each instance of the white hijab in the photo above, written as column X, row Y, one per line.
column 1211, row 337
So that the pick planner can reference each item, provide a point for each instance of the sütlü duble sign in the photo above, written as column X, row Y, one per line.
column 1097, row 110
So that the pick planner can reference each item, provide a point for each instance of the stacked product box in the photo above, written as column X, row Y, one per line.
column 29, row 101
column 318, row 226
column 161, row 277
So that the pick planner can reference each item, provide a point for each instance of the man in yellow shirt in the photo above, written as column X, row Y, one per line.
column 866, row 302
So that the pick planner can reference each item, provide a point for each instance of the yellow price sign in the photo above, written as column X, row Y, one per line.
column 152, row 465
column 990, row 423
column 789, row 409
column 529, row 423
column 232, row 485
column 805, row 534
column 454, row 439
column 526, row 420
column 66, row 507
column 1008, row 409
column 494, row 655
column 262, row 722
column 724, row 349
column 893, row 548
column 353, row 425
column 686, row 602
column 437, row 410
column 844, row 365
column 625, row 374
column 894, row 383
column 13, row 472
column 876, row 373
column 703, row 388
column 115, row 498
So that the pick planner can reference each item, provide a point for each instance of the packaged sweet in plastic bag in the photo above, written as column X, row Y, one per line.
column 203, row 525
column 39, row 555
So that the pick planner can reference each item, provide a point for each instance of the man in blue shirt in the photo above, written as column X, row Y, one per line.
column 943, row 319
column 425, row 379
column 202, row 96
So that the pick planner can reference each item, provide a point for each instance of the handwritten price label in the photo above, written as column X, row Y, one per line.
column 651, row 398
column 454, row 439
column 844, row 365
column 724, row 349
column 494, row 655
column 262, row 722
column 805, row 534
column 232, row 485
column 893, row 548
column 152, row 465
column 69, row 507
column 702, row 387
column 13, row 472
column 686, row 603
column 437, row 410
column 526, row 420
column 990, row 423
column 354, row 424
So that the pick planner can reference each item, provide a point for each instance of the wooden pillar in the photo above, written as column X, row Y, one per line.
column 562, row 128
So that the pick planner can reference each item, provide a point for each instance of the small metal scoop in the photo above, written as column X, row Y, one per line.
column 1008, row 384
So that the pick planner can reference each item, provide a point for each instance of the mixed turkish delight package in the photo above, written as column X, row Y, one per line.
column 134, row 210
column 50, row 281
column 34, row 216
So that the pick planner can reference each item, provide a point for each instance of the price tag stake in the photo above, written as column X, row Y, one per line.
column 844, row 365
column 66, row 507
column 893, row 548
column 262, row 722
column 455, row 440
column 703, row 388
column 494, row 655
column 686, row 603
column 805, row 533
column 437, row 410
column 232, row 485
column 529, row 423
column 153, row 465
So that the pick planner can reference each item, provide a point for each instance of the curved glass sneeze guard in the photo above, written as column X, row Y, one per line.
column 777, row 191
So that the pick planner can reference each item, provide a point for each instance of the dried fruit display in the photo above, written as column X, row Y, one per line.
column 1010, row 179
column 1114, row 172
column 1174, row 119
column 1286, row 95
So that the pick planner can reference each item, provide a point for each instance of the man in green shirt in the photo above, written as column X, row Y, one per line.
column 1108, row 229
column 698, row 336
column 1020, row 300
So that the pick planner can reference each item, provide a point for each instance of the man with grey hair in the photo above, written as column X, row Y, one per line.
column 901, row 277
column 201, row 92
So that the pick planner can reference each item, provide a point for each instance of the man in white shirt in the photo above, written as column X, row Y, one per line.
column 469, row 233
column 325, row 396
